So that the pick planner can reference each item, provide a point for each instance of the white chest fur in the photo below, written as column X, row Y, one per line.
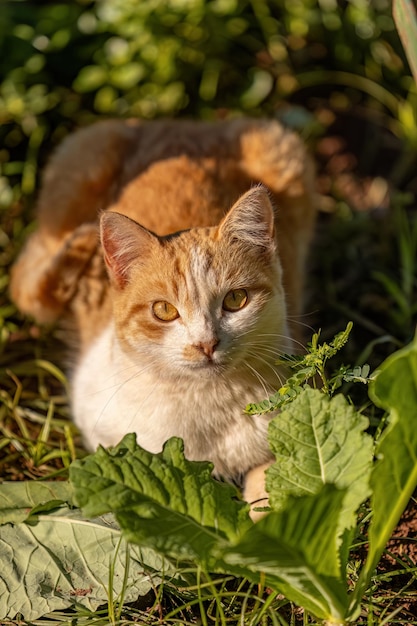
column 114, row 395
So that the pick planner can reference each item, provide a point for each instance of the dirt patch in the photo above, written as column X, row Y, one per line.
column 403, row 544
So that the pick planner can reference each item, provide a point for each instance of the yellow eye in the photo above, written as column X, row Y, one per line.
column 235, row 300
column 164, row 311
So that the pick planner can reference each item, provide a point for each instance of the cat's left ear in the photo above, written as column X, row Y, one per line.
column 251, row 220
column 123, row 241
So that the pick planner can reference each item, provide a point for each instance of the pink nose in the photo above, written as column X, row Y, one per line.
column 208, row 347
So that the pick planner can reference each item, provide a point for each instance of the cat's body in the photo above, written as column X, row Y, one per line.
column 187, row 330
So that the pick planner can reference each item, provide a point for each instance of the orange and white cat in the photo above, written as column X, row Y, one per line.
column 178, row 304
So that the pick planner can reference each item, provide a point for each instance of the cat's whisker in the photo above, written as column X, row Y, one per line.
column 275, row 335
column 268, row 364
column 140, row 407
column 295, row 319
column 259, row 377
column 265, row 348
column 286, row 338
column 117, row 374
column 117, row 388
column 265, row 345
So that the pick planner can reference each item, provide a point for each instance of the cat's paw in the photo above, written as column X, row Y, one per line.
column 254, row 491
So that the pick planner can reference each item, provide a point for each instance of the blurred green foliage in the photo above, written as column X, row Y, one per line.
column 62, row 64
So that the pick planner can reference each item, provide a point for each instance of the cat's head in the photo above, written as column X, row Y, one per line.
column 201, row 302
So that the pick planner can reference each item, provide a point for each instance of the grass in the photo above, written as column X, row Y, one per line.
column 37, row 440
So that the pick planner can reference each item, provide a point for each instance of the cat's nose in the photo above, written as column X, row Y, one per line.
column 208, row 347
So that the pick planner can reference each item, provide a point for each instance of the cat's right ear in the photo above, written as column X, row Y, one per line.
column 123, row 241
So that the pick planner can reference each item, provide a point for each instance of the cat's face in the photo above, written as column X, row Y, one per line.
column 203, row 302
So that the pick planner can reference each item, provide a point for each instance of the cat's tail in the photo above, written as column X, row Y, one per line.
column 276, row 156
column 81, row 179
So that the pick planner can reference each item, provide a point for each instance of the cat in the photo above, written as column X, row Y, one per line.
column 174, row 252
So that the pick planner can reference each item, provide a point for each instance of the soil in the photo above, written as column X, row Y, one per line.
column 403, row 544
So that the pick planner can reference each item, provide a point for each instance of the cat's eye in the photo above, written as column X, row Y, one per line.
column 165, row 311
column 235, row 300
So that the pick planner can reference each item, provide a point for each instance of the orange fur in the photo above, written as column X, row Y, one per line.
column 168, row 177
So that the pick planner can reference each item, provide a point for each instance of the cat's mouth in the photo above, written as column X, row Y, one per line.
column 208, row 368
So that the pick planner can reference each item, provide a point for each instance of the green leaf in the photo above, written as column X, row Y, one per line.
column 405, row 17
column 161, row 500
column 283, row 396
column 394, row 477
column 317, row 440
column 394, row 290
column 318, row 354
column 90, row 77
column 297, row 550
column 306, row 367
column 359, row 374
column 127, row 75
column 340, row 339
column 19, row 500
column 63, row 560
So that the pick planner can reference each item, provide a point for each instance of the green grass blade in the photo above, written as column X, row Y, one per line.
column 405, row 17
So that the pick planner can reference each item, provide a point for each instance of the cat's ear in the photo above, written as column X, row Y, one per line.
column 251, row 220
column 123, row 241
